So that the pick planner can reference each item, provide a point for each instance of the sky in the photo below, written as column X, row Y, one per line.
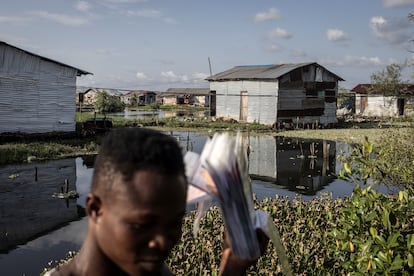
column 160, row 44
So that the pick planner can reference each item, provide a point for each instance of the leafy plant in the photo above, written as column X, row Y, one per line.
column 389, row 162
column 106, row 103
column 375, row 235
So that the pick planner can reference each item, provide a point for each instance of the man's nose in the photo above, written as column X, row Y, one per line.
column 159, row 240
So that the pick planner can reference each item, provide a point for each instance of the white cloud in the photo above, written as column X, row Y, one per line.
column 336, row 35
column 14, row 19
column 354, row 61
column 397, row 3
column 362, row 61
column 199, row 76
column 279, row 33
column 378, row 20
column 272, row 14
column 273, row 48
column 170, row 76
column 141, row 76
column 169, row 20
column 144, row 13
column 61, row 18
column 82, row 6
column 106, row 52
column 394, row 32
column 124, row 1
column 298, row 53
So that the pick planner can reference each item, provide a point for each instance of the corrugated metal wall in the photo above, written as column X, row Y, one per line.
column 261, row 102
column 36, row 95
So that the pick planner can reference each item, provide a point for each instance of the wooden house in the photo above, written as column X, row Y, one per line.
column 188, row 96
column 371, row 103
column 86, row 99
column 36, row 93
column 298, row 94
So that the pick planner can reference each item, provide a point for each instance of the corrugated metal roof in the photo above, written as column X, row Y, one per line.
column 261, row 72
column 362, row 88
column 367, row 88
column 79, row 71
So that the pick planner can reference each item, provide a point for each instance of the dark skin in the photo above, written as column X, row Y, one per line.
column 133, row 228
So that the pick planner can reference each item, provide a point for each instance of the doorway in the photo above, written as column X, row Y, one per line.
column 400, row 106
column 243, row 106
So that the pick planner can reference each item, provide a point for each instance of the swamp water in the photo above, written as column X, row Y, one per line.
column 36, row 228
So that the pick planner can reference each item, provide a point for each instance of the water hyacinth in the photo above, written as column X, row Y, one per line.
column 320, row 236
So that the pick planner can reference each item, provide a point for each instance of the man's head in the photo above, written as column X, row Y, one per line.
column 129, row 150
column 137, row 200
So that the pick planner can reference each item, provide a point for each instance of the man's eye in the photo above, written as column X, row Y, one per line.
column 139, row 226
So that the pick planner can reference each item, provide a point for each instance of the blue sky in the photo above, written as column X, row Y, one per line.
column 158, row 44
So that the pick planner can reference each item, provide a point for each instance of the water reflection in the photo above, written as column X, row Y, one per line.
column 159, row 114
column 303, row 166
column 36, row 228
column 27, row 207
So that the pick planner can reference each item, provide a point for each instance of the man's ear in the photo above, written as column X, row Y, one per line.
column 93, row 206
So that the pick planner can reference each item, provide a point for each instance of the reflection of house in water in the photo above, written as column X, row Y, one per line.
column 303, row 166
column 27, row 208
column 88, row 160
column 185, row 113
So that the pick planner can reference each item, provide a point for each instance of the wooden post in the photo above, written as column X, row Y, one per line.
column 66, row 186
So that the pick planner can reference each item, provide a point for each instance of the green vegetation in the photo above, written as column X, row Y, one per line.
column 389, row 81
column 106, row 103
column 368, row 234
column 29, row 151
column 158, row 106
column 173, row 123
column 388, row 162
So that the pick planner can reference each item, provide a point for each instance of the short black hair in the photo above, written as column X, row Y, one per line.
column 128, row 150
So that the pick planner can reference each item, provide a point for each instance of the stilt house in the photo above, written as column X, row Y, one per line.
column 284, row 94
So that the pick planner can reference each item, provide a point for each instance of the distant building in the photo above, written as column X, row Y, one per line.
column 301, row 93
column 139, row 97
column 187, row 96
column 36, row 93
column 371, row 103
column 87, row 99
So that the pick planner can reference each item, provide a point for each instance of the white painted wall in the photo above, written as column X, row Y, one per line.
column 378, row 105
column 36, row 95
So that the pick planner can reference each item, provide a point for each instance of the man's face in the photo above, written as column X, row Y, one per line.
column 140, row 225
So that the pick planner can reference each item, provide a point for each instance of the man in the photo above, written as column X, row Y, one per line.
column 135, row 208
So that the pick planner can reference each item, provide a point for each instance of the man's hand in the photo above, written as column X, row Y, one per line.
column 231, row 264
